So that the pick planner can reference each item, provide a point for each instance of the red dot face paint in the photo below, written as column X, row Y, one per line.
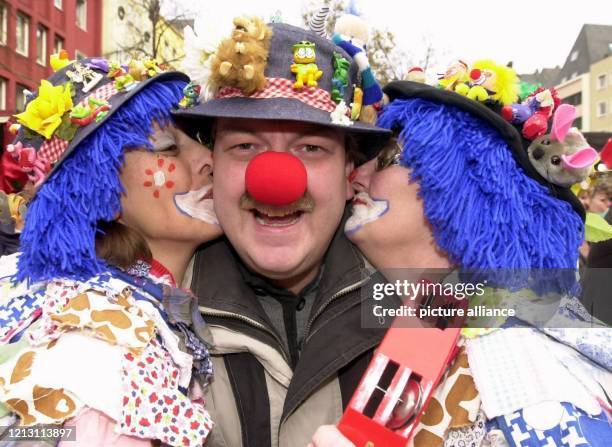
column 157, row 178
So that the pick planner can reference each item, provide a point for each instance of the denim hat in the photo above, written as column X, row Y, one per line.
column 331, row 103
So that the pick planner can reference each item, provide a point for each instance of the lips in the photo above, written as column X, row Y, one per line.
column 365, row 210
column 198, row 204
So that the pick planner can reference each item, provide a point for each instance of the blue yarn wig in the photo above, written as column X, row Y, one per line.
column 58, row 240
column 486, row 213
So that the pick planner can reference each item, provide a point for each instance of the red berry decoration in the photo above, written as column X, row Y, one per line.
column 275, row 178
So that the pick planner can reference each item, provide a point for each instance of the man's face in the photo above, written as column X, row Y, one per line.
column 291, row 246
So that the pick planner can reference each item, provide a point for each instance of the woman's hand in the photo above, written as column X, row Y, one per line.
column 329, row 436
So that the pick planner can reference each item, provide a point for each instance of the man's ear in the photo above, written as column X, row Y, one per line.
column 348, row 168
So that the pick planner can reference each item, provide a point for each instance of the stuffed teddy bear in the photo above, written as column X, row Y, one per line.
column 241, row 59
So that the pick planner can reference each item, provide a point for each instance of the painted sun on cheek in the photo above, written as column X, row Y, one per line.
column 159, row 176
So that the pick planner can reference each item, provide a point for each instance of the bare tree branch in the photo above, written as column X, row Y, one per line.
column 148, row 40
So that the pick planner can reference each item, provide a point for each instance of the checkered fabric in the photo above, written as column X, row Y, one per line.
column 18, row 313
column 53, row 149
column 283, row 88
column 574, row 429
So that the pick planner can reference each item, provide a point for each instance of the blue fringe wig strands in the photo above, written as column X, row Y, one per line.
column 58, row 240
column 486, row 213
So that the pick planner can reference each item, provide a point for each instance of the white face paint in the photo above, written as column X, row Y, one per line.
column 197, row 204
column 365, row 210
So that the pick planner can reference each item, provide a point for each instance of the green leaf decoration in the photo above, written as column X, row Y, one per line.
column 597, row 229
column 67, row 129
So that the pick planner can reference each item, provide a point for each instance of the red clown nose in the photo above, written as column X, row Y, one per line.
column 275, row 178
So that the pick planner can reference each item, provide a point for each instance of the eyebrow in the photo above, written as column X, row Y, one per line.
column 317, row 132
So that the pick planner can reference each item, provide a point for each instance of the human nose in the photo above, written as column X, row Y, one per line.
column 361, row 176
column 201, row 165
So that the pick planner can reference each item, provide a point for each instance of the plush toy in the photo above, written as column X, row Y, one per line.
column 340, row 78
column 533, row 113
column 490, row 81
column 456, row 78
column 59, row 60
column 416, row 74
column 36, row 167
column 241, row 59
column 304, row 66
column 562, row 156
column 351, row 34
column 192, row 95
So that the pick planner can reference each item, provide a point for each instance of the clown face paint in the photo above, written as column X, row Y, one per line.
column 276, row 241
column 158, row 177
column 198, row 204
column 168, row 191
column 388, row 220
column 365, row 210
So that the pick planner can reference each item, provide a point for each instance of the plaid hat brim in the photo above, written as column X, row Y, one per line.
column 490, row 115
column 201, row 117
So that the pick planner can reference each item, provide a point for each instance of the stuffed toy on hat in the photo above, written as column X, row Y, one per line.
column 491, row 81
column 306, row 77
column 351, row 34
column 416, row 74
column 455, row 78
column 241, row 59
column 563, row 156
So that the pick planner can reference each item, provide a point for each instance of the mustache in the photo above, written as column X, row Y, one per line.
column 304, row 204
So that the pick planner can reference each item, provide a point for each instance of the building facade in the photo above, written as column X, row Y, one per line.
column 585, row 78
column 32, row 30
column 576, row 92
column 601, row 95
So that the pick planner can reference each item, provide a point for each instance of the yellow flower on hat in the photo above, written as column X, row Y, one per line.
column 44, row 114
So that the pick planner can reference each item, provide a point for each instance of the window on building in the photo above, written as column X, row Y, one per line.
column 578, row 123
column 574, row 100
column 602, row 108
column 41, row 45
column 602, row 81
column 3, row 22
column 81, row 14
column 3, row 93
column 58, row 4
column 23, row 34
column 20, row 98
column 58, row 44
column 574, row 55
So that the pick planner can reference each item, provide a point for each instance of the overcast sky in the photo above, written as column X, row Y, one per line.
column 531, row 33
